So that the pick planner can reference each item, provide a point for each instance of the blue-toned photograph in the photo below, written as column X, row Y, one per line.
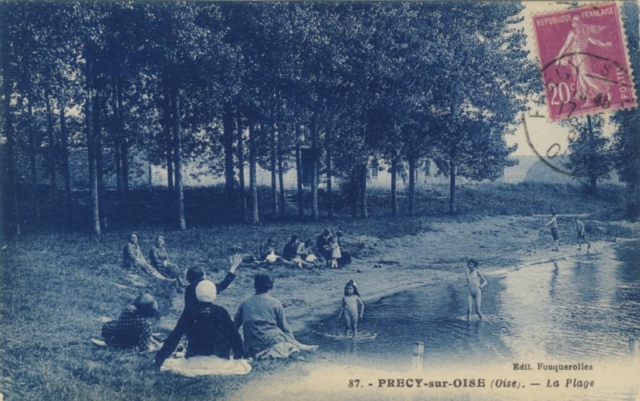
column 305, row 200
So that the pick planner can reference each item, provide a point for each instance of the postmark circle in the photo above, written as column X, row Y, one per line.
column 552, row 153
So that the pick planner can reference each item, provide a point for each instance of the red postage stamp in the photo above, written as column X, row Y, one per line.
column 584, row 61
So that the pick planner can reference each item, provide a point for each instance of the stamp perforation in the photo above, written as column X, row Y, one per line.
column 624, row 48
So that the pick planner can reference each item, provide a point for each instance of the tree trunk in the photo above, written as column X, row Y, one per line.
column 394, row 193
column 329, row 174
column 33, row 148
column 452, row 186
column 177, row 133
column 593, row 176
column 64, row 144
column 227, row 123
column 168, row 141
column 314, row 174
column 240, row 157
column 253, row 184
column 364, row 208
column 412, row 186
column 299, row 177
column 97, row 142
column 13, row 216
column 93, row 177
column 170, row 173
column 117, row 142
column 124, row 154
column 52, row 147
column 274, row 173
column 354, row 190
column 124, row 146
column 281, row 177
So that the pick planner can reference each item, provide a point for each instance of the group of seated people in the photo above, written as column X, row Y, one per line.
column 327, row 251
column 214, row 343
column 158, row 265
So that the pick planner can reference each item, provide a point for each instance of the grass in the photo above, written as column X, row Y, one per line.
column 55, row 285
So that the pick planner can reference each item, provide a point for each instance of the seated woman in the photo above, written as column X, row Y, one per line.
column 133, row 258
column 133, row 327
column 307, row 253
column 212, row 339
column 290, row 254
column 160, row 261
column 323, row 244
column 266, row 331
column 196, row 274
column 268, row 252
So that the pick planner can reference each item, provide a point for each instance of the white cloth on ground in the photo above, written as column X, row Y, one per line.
column 205, row 366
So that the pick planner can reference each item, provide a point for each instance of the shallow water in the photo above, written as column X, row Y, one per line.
column 583, row 309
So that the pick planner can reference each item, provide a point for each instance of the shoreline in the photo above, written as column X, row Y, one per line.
column 392, row 266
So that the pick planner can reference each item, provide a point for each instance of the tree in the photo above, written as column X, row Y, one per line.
column 589, row 153
column 12, row 222
column 626, row 141
column 484, row 49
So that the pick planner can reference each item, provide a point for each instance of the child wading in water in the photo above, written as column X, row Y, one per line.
column 352, row 308
column 582, row 234
column 476, row 282
column 554, row 230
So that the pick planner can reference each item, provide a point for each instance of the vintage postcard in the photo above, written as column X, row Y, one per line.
column 312, row 200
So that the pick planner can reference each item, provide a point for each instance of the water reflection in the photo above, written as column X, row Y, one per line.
column 569, row 310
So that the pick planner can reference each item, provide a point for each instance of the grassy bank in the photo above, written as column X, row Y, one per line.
column 56, row 285
column 204, row 207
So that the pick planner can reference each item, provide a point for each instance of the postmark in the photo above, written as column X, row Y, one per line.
column 584, row 61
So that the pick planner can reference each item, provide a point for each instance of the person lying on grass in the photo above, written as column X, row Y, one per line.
column 133, row 258
column 267, row 333
column 160, row 260
column 210, row 333
column 133, row 328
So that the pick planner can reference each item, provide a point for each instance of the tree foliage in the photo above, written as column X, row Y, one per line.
column 353, row 82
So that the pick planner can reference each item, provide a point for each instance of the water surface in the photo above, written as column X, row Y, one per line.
column 583, row 309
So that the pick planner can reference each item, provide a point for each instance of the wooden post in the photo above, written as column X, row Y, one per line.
column 634, row 349
column 418, row 356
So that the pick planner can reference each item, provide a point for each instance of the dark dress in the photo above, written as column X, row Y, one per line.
column 209, row 330
column 130, row 330
column 323, row 246
column 290, row 251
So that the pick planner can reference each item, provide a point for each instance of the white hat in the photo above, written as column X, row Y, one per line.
column 206, row 291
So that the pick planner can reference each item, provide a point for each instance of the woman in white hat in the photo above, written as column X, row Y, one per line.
column 212, row 340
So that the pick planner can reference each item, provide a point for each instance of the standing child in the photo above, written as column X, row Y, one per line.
column 554, row 230
column 582, row 235
column 352, row 308
column 335, row 253
column 476, row 281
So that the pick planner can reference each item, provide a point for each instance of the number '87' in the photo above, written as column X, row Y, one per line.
column 354, row 383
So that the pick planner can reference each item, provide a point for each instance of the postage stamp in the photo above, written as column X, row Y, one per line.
column 584, row 61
